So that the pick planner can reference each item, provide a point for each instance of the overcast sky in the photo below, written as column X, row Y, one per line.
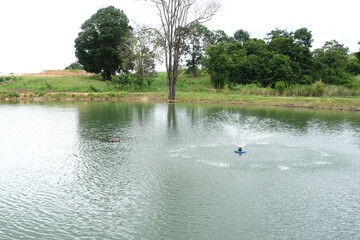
column 37, row 35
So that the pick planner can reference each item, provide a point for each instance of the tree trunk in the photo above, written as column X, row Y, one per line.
column 106, row 75
column 172, row 72
column 172, row 77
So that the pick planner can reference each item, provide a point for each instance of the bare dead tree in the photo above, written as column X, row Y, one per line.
column 176, row 17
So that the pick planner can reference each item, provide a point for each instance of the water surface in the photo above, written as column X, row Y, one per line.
column 174, row 174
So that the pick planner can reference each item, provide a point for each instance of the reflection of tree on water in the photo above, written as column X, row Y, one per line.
column 102, row 121
column 297, row 119
column 171, row 116
column 99, row 122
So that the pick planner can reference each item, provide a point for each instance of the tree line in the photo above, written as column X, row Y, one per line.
column 107, row 44
column 281, row 57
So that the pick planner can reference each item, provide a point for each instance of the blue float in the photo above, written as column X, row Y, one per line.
column 236, row 151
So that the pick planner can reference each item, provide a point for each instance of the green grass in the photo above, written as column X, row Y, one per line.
column 57, row 84
column 189, row 89
column 184, row 83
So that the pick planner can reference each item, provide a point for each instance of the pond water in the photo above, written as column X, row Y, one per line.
column 174, row 173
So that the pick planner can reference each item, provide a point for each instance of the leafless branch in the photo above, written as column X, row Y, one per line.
column 176, row 16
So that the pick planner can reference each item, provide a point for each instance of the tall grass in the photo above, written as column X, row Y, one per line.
column 317, row 89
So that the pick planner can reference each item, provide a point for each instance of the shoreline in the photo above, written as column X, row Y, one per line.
column 325, row 103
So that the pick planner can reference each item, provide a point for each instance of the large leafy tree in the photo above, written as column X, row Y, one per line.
column 102, row 46
column 218, row 64
column 303, row 37
column 331, row 61
column 249, row 62
column 241, row 35
column 281, row 69
column 218, row 36
column 197, row 39
column 298, row 49
column 176, row 17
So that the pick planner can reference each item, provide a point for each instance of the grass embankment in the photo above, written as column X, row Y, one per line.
column 189, row 89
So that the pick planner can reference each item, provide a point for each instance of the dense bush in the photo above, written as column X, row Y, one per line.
column 280, row 86
column 353, row 66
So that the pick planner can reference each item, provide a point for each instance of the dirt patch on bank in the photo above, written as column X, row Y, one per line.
column 23, row 90
column 57, row 73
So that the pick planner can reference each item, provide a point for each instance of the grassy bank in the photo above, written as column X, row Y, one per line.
column 189, row 89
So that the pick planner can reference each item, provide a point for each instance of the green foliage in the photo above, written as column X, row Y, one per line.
column 14, row 94
column 74, row 66
column 282, row 58
column 226, row 88
column 48, row 85
column 256, row 47
column 303, row 37
column 219, row 36
column 131, row 82
column 146, row 51
column 353, row 66
column 92, row 89
column 280, row 66
column 331, row 62
column 318, row 88
column 249, row 62
column 241, row 36
column 186, row 85
column 280, row 86
column 197, row 38
column 278, row 33
column 357, row 55
column 301, row 59
column 218, row 64
column 102, row 44
column 8, row 78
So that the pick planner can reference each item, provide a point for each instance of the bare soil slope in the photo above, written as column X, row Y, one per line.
column 57, row 73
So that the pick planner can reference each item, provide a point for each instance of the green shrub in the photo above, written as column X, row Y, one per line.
column 8, row 78
column 318, row 88
column 111, row 94
column 226, row 88
column 48, row 85
column 280, row 86
column 14, row 94
column 92, row 89
column 353, row 66
column 74, row 66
